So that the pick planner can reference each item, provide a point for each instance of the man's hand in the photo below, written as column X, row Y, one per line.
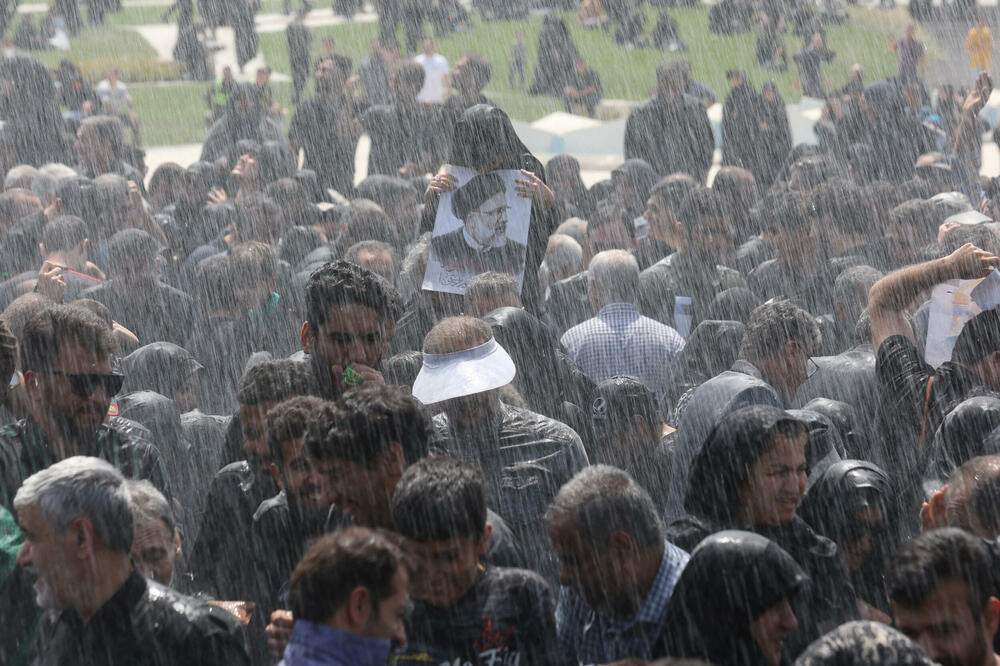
column 978, row 96
column 51, row 283
column 945, row 228
column 970, row 263
column 279, row 632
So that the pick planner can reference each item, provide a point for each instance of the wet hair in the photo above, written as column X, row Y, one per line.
column 493, row 287
column 700, row 202
column 932, row 558
column 402, row 369
column 563, row 255
column 438, row 499
column 408, row 73
column 810, row 171
column 851, row 283
column 979, row 235
column 338, row 563
column 82, row 487
column 603, row 500
column 733, row 304
column 344, row 283
column 371, row 247
column 289, row 420
column 367, row 221
column 608, row 214
column 107, row 128
column 286, row 192
column 47, row 330
column 64, row 234
column 474, row 193
column 21, row 309
column 917, row 215
column 149, row 505
column 98, row 308
column 615, row 273
column 984, row 493
column 272, row 381
column 772, row 325
column 480, row 68
column 845, row 204
column 213, row 282
column 257, row 218
column 787, row 213
column 367, row 421
column 673, row 189
column 254, row 262
column 456, row 334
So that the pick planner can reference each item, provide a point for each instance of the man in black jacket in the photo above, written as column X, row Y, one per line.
column 77, row 521
column 671, row 131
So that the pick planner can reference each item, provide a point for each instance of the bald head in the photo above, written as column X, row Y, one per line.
column 454, row 334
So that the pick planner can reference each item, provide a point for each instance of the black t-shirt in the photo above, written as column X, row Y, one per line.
column 508, row 617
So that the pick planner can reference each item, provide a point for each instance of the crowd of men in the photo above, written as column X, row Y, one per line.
column 237, row 428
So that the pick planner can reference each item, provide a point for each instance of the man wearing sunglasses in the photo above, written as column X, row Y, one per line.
column 66, row 364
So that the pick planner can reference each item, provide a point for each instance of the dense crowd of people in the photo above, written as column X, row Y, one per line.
column 239, row 428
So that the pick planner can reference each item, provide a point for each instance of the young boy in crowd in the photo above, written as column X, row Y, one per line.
column 465, row 612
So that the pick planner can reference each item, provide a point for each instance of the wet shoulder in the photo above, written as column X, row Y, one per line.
column 187, row 622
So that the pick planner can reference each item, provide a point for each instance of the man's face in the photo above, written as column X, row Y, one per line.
column 155, row 550
column 488, row 223
column 448, row 568
column 711, row 241
column 56, row 394
column 658, row 215
column 352, row 334
column 365, row 494
column 305, row 482
column 582, row 566
column 387, row 622
column 777, row 482
column 255, row 436
column 47, row 556
column 946, row 628
column 771, row 627
column 611, row 236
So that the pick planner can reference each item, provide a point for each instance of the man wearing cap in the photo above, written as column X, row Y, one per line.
column 66, row 364
column 525, row 456
column 629, row 433
column 137, row 298
column 619, row 340
column 481, row 244
column 920, row 396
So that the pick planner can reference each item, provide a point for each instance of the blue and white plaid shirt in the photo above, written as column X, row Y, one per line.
column 588, row 637
column 620, row 341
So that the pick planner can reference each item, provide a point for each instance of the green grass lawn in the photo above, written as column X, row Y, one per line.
column 173, row 112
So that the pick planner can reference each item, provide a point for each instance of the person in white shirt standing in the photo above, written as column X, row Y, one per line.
column 118, row 102
column 436, row 68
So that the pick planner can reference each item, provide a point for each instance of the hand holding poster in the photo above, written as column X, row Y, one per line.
column 481, row 225
column 952, row 304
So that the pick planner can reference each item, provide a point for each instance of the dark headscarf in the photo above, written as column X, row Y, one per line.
column 641, row 177
column 962, row 436
column 578, row 196
column 481, row 134
column 160, row 366
column 843, row 417
column 861, row 644
column 839, row 492
column 723, row 465
column 731, row 579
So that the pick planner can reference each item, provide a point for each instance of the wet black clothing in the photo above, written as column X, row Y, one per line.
column 741, row 118
column 576, row 201
column 33, row 124
column 578, row 83
column 831, row 505
column 774, row 142
column 153, row 311
column 299, row 39
column 731, row 579
column 903, row 376
column 218, row 565
column 233, row 127
column 895, row 135
column 328, row 152
column 526, row 458
column 664, row 286
column 964, row 434
column 401, row 137
column 812, row 292
column 556, row 55
column 672, row 136
column 810, row 61
column 25, row 449
column 143, row 624
column 76, row 283
column 649, row 250
column 709, row 350
column 508, row 616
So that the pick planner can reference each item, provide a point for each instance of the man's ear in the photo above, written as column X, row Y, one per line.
column 276, row 475
column 621, row 544
column 991, row 617
column 81, row 538
column 359, row 609
column 307, row 337
column 31, row 385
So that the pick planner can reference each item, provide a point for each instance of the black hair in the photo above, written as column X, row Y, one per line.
column 672, row 189
column 471, row 196
column 344, row 283
column 368, row 420
column 289, row 420
column 254, row 262
column 338, row 563
column 932, row 558
column 272, row 381
column 772, row 325
column 48, row 329
column 64, row 233
column 408, row 73
column 918, row 216
column 700, row 203
column 609, row 213
column 438, row 499
column 402, row 369
column 979, row 338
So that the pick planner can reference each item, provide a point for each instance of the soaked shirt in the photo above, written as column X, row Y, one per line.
column 589, row 637
column 507, row 617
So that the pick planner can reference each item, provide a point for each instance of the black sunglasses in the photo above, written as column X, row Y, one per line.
column 84, row 384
